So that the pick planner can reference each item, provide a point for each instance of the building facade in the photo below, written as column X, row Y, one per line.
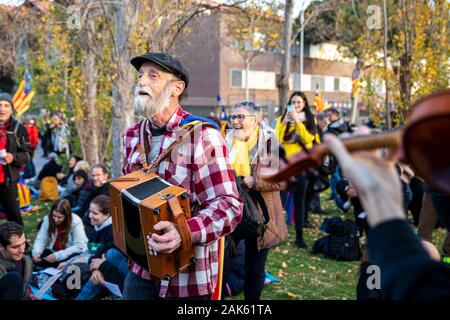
column 216, row 69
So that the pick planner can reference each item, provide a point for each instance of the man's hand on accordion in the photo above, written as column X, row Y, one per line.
column 167, row 242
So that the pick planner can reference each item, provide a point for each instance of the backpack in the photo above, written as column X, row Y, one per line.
column 342, row 241
column 253, row 223
column 49, row 189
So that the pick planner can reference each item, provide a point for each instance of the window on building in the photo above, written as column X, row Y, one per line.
column 315, row 80
column 306, row 48
column 336, row 84
column 236, row 78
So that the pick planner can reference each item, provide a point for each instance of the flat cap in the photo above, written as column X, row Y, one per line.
column 164, row 60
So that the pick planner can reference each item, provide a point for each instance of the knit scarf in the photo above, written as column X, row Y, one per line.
column 240, row 153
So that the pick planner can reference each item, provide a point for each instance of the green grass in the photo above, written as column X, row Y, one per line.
column 32, row 220
column 312, row 277
column 305, row 276
column 302, row 275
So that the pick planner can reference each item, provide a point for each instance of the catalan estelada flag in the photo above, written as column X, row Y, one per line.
column 318, row 100
column 23, row 96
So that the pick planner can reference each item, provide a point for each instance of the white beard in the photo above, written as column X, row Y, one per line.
column 149, row 106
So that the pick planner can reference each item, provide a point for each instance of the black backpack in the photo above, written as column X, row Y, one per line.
column 253, row 223
column 342, row 241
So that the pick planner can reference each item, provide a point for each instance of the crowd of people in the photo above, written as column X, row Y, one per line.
column 228, row 194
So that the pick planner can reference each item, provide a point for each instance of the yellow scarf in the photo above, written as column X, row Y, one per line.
column 240, row 153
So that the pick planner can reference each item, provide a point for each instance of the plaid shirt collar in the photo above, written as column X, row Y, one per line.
column 174, row 122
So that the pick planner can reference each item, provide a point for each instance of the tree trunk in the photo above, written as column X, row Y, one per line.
column 90, row 135
column 122, row 106
column 88, row 130
column 405, row 60
column 388, row 120
column 283, row 83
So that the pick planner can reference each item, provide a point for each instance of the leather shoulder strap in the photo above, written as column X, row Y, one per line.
column 167, row 152
column 143, row 141
column 155, row 162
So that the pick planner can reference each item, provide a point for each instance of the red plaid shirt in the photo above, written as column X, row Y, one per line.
column 210, row 181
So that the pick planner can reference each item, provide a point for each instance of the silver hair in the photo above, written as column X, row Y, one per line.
column 248, row 105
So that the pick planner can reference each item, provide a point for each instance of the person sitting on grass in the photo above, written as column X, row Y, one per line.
column 102, row 236
column 105, row 261
column 16, row 268
column 80, row 195
column 99, row 175
column 60, row 237
column 66, row 178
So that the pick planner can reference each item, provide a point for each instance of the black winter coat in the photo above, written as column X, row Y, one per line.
column 18, row 144
column 338, row 127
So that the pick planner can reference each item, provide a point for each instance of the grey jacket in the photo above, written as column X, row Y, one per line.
column 9, row 266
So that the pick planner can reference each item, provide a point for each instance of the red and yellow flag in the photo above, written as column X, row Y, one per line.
column 23, row 96
column 217, row 294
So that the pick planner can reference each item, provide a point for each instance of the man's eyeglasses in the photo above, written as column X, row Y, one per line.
column 241, row 117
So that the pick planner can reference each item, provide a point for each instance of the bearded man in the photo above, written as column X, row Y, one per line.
column 216, row 207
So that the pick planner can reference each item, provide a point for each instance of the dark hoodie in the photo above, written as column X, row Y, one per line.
column 82, row 196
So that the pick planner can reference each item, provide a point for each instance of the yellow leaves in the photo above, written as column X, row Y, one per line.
column 187, row 30
column 294, row 296
column 274, row 36
column 256, row 43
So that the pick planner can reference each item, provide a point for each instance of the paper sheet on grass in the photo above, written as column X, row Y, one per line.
column 47, row 285
column 52, row 271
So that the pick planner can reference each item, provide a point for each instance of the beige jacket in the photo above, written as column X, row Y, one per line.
column 276, row 231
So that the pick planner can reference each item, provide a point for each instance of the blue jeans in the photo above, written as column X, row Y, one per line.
column 116, row 258
column 137, row 288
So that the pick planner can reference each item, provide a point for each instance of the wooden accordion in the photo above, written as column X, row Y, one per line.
column 139, row 200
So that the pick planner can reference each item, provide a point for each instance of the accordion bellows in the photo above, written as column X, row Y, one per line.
column 139, row 201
